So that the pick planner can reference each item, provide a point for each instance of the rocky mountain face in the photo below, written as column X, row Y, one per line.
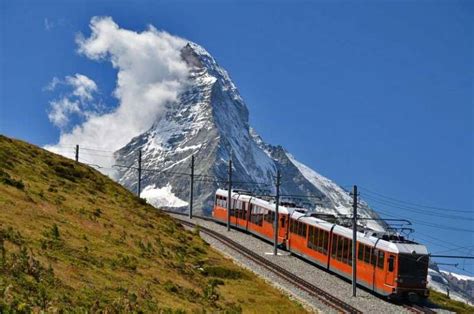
column 211, row 121
column 460, row 287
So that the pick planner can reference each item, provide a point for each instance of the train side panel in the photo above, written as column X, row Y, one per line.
column 378, row 269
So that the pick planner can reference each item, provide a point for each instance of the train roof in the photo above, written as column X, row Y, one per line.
column 368, row 237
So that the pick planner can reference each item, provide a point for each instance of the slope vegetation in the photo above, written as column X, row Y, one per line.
column 72, row 239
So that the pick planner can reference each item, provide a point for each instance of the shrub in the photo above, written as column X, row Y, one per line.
column 222, row 272
column 210, row 291
column 125, row 261
column 97, row 212
column 55, row 232
column 6, row 179
column 171, row 286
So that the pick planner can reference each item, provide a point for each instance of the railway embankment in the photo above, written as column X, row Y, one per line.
column 336, row 286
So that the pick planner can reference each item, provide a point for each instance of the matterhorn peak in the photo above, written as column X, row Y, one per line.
column 211, row 121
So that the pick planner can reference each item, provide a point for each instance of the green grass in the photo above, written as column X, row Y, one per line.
column 73, row 240
column 442, row 301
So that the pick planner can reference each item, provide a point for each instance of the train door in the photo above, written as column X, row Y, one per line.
column 390, row 270
column 248, row 215
column 282, row 228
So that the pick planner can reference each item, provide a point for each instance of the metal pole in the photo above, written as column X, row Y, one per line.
column 139, row 187
column 192, row 189
column 354, row 241
column 229, row 194
column 277, row 204
column 77, row 153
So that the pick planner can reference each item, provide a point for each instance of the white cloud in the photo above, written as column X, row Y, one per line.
column 61, row 110
column 150, row 74
column 83, row 86
column 79, row 101
column 52, row 85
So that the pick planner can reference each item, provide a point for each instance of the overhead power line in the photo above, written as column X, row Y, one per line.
column 430, row 224
column 416, row 210
column 415, row 204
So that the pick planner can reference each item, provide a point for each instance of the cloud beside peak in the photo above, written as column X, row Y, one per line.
column 150, row 74
column 79, row 101
column 83, row 86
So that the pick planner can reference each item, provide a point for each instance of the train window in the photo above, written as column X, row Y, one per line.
column 334, row 246
column 256, row 216
column 367, row 254
column 315, row 237
column 319, row 239
column 349, row 257
column 360, row 256
column 222, row 201
column 345, row 250
column 375, row 253
column 310, row 242
column 391, row 261
column 282, row 222
column 270, row 217
column 381, row 259
column 325, row 242
column 340, row 248
column 303, row 229
column 298, row 228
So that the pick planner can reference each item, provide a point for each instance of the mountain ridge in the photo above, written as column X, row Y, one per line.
column 211, row 121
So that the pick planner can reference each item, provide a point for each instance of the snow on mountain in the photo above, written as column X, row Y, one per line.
column 340, row 199
column 458, row 276
column 211, row 121
column 158, row 196
column 460, row 287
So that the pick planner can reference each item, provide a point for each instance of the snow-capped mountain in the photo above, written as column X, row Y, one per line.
column 211, row 121
column 460, row 287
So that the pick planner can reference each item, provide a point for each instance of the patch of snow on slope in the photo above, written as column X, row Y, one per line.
column 162, row 197
column 458, row 276
column 340, row 198
column 439, row 283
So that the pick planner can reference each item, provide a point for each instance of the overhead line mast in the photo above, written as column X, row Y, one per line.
column 354, row 241
column 277, row 203
column 229, row 194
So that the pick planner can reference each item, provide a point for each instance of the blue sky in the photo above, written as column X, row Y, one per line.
column 373, row 93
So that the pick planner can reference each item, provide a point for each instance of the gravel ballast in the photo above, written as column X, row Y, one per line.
column 340, row 288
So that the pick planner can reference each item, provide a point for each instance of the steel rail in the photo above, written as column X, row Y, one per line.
column 323, row 296
column 414, row 308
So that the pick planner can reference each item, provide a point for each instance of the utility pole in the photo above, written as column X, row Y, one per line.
column 192, row 189
column 277, row 204
column 139, row 188
column 77, row 153
column 354, row 240
column 229, row 194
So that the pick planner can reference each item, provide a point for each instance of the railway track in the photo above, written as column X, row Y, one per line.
column 414, row 308
column 323, row 296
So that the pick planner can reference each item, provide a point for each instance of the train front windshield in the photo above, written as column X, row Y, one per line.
column 413, row 265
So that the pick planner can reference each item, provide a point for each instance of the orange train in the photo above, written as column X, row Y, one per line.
column 387, row 263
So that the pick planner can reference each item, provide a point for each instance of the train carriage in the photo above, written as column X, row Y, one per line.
column 387, row 264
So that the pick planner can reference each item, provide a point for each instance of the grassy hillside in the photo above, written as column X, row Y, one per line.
column 441, row 300
column 70, row 238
